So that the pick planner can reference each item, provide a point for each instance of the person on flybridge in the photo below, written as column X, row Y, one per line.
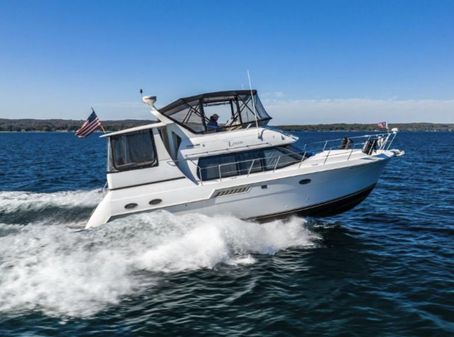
column 213, row 123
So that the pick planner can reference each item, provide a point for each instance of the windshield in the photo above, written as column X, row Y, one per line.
column 214, row 112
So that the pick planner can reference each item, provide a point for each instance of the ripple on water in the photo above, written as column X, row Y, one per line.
column 382, row 269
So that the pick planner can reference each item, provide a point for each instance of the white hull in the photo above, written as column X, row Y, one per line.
column 257, row 196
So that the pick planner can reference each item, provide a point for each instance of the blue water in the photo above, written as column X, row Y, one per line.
column 385, row 268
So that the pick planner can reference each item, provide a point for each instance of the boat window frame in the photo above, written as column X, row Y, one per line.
column 286, row 150
column 197, row 106
column 111, row 160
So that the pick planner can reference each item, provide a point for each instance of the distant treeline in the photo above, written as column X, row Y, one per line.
column 430, row 127
column 71, row 125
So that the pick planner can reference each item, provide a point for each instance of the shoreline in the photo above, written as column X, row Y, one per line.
column 66, row 125
column 285, row 129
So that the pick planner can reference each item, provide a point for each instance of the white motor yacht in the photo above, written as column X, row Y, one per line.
column 191, row 162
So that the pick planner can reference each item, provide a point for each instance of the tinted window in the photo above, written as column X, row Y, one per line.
column 242, row 163
column 279, row 157
column 132, row 150
column 210, row 167
column 250, row 161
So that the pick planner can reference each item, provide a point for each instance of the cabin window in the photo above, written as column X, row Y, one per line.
column 279, row 157
column 250, row 161
column 132, row 151
column 211, row 167
column 246, row 162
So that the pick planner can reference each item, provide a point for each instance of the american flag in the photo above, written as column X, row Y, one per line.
column 89, row 126
column 382, row 125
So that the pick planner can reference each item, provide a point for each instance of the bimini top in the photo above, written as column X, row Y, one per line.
column 234, row 109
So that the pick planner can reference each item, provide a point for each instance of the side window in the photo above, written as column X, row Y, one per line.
column 246, row 162
column 250, row 161
column 228, row 166
column 280, row 157
column 271, row 158
column 211, row 167
column 132, row 150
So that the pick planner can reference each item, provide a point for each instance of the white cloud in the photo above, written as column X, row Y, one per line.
column 358, row 110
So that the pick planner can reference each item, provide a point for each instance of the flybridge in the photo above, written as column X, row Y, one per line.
column 235, row 109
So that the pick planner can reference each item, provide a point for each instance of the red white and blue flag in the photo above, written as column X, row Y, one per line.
column 89, row 126
column 382, row 125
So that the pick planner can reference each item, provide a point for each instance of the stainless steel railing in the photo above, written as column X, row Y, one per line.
column 246, row 167
column 381, row 141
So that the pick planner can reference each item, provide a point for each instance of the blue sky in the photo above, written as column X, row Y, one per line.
column 312, row 61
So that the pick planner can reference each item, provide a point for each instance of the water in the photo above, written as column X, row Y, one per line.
column 383, row 269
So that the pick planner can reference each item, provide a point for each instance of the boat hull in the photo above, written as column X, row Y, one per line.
column 327, row 193
column 265, row 197
column 329, row 208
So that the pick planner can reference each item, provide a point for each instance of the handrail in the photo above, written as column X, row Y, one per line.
column 383, row 141
column 354, row 137
column 253, row 159
column 250, row 168
column 277, row 162
column 327, row 155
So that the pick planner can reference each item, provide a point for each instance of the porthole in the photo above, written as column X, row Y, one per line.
column 131, row 205
column 155, row 201
column 304, row 181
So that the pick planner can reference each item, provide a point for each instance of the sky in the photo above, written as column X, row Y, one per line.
column 312, row 61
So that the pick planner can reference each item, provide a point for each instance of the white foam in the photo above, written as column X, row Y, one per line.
column 242, row 260
column 210, row 241
column 52, row 268
column 13, row 201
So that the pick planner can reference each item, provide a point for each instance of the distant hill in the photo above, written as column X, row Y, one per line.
column 70, row 125
column 428, row 127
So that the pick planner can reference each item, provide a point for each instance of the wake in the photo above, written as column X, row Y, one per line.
column 27, row 207
column 47, row 266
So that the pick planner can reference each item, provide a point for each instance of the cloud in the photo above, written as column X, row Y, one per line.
column 358, row 110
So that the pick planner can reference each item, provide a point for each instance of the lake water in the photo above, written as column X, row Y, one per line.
column 385, row 268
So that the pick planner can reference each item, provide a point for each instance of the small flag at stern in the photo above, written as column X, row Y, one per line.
column 382, row 125
column 89, row 126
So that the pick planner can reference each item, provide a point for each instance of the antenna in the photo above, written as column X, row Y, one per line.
column 253, row 104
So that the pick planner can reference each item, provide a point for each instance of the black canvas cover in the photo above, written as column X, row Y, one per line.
column 239, row 109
